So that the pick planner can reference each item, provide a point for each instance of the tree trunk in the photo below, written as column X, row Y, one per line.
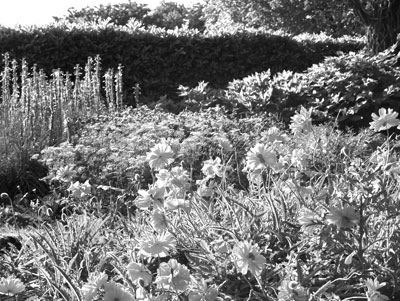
column 382, row 19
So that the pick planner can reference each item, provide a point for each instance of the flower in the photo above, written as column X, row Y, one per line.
column 308, row 218
column 173, row 203
column 138, row 271
column 384, row 121
column 345, row 218
column 116, row 292
column 143, row 200
column 301, row 122
column 212, row 168
column 260, row 157
column 90, row 288
column 161, row 155
column 298, row 158
column 159, row 220
column 247, row 258
column 66, row 174
column 292, row 291
column 11, row 286
column 224, row 144
column 158, row 246
column 274, row 135
column 173, row 276
column 79, row 190
column 372, row 293
column 146, row 197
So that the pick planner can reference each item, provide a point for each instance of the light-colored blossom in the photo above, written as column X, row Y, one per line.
column 308, row 218
column 385, row 120
column 80, row 190
column 212, row 168
column 160, row 156
column 274, row 135
column 173, row 203
column 301, row 122
column 144, row 199
column 247, row 258
column 224, row 144
column 292, row 291
column 158, row 246
column 298, row 158
column 116, row 292
column 260, row 157
column 159, row 220
column 372, row 290
column 346, row 217
column 66, row 173
column 172, row 275
column 11, row 286
column 138, row 271
column 95, row 281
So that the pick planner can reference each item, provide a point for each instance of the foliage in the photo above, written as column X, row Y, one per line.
column 117, row 14
column 149, row 56
column 347, row 89
column 170, row 15
column 317, row 220
column 294, row 16
column 381, row 19
column 37, row 111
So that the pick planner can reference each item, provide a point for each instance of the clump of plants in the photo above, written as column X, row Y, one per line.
column 317, row 220
column 37, row 111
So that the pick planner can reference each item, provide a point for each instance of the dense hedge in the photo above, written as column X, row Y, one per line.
column 159, row 61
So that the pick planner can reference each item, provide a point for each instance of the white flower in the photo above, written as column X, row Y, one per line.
column 138, row 271
column 385, row 120
column 301, row 122
column 372, row 293
column 161, row 156
column 260, row 157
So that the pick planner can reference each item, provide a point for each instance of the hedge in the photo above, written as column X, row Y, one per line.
column 159, row 60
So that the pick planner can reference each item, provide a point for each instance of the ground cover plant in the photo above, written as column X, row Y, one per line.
column 210, row 202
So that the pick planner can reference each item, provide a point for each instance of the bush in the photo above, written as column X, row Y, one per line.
column 149, row 56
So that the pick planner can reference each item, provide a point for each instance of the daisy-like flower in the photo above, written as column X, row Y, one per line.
column 11, row 286
column 292, row 291
column 301, row 122
column 160, row 156
column 90, row 288
column 138, row 271
column 158, row 246
column 116, row 292
column 247, row 258
column 372, row 293
column 173, row 276
column 260, row 157
column 345, row 218
column 385, row 120
column 212, row 168
column 66, row 174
